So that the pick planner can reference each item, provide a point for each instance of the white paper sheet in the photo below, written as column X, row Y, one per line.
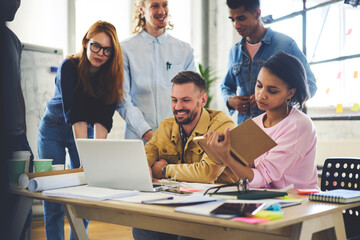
column 159, row 198
column 90, row 193
column 57, row 181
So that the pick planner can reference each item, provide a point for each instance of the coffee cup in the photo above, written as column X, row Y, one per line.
column 16, row 168
column 42, row 165
column 23, row 155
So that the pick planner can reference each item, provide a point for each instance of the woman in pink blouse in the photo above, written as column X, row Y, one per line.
column 280, row 88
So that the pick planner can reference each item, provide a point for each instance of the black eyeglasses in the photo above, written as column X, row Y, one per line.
column 95, row 48
column 242, row 186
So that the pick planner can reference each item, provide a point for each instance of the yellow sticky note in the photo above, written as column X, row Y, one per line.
column 356, row 74
column 355, row 108
column 327, row 90
column 339, row 108
column 272, row 215
column 317, row 79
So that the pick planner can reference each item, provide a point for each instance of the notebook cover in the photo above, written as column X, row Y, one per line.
column 251, row 194
column 248, row 142
column 336, row 196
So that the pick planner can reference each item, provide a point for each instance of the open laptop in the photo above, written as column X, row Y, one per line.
column 118, row 164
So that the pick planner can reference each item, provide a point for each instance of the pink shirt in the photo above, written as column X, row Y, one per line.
column 292, row 161
column 252, row 49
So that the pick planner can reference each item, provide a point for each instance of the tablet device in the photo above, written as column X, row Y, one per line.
column 239, row 209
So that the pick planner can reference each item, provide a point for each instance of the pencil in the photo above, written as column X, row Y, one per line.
column 157, row 199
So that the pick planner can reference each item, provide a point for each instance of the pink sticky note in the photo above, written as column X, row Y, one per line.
column 250, row 220
column 183, row 189
column 349, row 31
column 339, row 75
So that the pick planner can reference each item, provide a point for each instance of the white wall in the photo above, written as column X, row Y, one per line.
column 42, row 22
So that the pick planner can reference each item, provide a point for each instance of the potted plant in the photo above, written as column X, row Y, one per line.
column 209, row 76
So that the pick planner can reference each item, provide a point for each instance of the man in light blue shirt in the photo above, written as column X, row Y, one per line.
column 151, row 59
column 246, row 57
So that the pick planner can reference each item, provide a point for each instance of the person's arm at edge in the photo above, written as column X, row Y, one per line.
column 130, row 113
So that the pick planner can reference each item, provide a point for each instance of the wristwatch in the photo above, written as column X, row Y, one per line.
column 163, row 172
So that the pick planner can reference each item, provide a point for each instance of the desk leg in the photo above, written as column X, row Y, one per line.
column 331, row 222
column 77, row 224
column 21, row 211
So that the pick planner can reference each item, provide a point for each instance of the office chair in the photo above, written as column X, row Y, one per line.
column 344, row 173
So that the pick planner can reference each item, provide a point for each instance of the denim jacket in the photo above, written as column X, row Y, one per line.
column 242, row 73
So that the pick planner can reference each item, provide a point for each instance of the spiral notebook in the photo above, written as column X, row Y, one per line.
column 336, row 196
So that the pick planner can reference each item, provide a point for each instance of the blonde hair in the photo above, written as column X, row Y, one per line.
column 139, row 18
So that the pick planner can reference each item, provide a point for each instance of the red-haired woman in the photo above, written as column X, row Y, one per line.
column 88, row 86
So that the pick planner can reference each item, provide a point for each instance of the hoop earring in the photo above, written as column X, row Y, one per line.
column 287, row 103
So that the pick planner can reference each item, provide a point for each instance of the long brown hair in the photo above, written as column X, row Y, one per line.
column 139, row 19
column 111, row 74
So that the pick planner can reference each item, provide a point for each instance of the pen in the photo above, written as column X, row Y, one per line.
column 168, row 65
column 158, row 199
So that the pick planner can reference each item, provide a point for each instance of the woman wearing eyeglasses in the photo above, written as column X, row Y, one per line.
column 281, row 86
column 88, row 86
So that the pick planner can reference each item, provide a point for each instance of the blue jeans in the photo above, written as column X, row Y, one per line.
column 53, row 139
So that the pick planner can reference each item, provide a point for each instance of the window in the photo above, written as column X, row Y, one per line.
column 332, row 32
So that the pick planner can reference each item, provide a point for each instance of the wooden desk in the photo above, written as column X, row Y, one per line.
column 299, row 222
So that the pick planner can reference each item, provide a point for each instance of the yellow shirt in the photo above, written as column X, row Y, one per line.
column 197, row 166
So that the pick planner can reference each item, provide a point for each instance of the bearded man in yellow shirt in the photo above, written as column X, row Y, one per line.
column 171, row 152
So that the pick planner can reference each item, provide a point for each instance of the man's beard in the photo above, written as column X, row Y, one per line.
column 187, row 120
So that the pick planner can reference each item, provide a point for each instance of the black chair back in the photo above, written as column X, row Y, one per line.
column 344, row 173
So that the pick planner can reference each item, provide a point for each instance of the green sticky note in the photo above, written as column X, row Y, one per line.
column 355, row 108
column 291, row 199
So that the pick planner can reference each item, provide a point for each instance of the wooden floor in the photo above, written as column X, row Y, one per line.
column 97, row 231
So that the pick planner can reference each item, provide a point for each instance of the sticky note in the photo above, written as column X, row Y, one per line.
column 339, row 75
column 250, row 220
column 272, row 215
column 317, row 79
column 339, row 108
column 356, row 74
column 191, row 190
column 327, row 90
column 349, row 31
column 355, row 107
column 306, row 191
column 291, row 199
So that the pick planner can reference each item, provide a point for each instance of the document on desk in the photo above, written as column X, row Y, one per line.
column 167, row 199
column 90, row 193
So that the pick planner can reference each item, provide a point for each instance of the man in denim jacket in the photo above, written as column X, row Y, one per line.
column 246, row 57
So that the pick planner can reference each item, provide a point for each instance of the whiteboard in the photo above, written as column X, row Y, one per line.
column 38, row 72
